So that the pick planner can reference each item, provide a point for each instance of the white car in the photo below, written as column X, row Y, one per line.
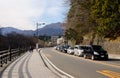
column 78, row 50
column 70, row 50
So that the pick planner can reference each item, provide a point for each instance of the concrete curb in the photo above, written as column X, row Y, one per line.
column 114, row 56
column 53, row 68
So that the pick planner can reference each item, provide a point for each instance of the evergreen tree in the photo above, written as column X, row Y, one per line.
column 78, row 18
column 106, row 14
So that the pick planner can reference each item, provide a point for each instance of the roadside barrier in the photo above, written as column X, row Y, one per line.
column 10, row 55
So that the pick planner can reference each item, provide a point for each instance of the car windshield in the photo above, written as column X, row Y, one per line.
column 72, row 48
column 98, row 48
column 66, row 46
column 82, row 47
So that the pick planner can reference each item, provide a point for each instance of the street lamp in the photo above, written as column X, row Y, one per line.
column 38, row 24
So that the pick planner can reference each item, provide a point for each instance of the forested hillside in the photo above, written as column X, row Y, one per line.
column 94, row 22
column 14, row 40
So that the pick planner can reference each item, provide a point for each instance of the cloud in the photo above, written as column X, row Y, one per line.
column 17, row 13
column 23, row 14
column 55, row 7
column 53, row 11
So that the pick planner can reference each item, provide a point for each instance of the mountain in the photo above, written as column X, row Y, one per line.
column 48, row 30
column 51, row 29
column 7, row 30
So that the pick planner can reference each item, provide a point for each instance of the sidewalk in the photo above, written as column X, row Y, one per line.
column 38, row 69
column 114, row 56
column 30, row 65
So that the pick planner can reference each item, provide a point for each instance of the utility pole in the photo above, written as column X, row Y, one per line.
column 37, row 44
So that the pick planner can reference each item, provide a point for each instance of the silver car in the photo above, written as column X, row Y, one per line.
column 78, row 50
column 70, row 50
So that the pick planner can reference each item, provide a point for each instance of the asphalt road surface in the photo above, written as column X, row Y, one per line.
column 83, row 68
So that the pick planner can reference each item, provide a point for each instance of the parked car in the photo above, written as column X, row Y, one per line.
column 64, row 48
column 70, row 50
column 61, row 48
column 78, row 50
column 95, row 52
column 57, row 47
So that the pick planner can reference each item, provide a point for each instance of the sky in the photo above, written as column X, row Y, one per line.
column 24, row 14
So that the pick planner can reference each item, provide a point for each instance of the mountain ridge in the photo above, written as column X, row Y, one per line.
column 48, row 30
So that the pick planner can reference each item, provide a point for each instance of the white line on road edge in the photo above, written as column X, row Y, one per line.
column 63, row 74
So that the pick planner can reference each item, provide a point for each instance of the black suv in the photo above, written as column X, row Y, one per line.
column 95, row 52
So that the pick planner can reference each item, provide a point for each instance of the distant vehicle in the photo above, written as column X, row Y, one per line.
column 78, row 50
column 70, row 50
column 95, row 52
column 57, row 47
column 63, row 48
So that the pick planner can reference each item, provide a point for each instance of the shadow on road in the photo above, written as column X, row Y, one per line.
column 110, row 60
column 113, row 59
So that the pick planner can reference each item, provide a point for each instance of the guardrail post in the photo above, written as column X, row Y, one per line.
column 10, row 55
column 1, row 61
column 6, row 57
column 19, row 52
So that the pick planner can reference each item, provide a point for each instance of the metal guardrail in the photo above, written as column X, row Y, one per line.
column 9, row 55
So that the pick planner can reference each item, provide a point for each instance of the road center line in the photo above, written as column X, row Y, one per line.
column 110, row 74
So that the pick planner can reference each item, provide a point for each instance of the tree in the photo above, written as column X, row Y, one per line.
column 106, row 14
column 14, row 40
column 98, row 18
column 3, row 42
column 0, row 31
column 78, row 18
column 72, row 34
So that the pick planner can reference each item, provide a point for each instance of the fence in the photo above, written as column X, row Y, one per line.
column 10, row 55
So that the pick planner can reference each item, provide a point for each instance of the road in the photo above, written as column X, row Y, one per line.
column 83, row 68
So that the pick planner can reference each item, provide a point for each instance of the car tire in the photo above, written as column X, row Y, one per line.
column 93, row 57
column 106, row 58
column 78, row 54
column 74, row 54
